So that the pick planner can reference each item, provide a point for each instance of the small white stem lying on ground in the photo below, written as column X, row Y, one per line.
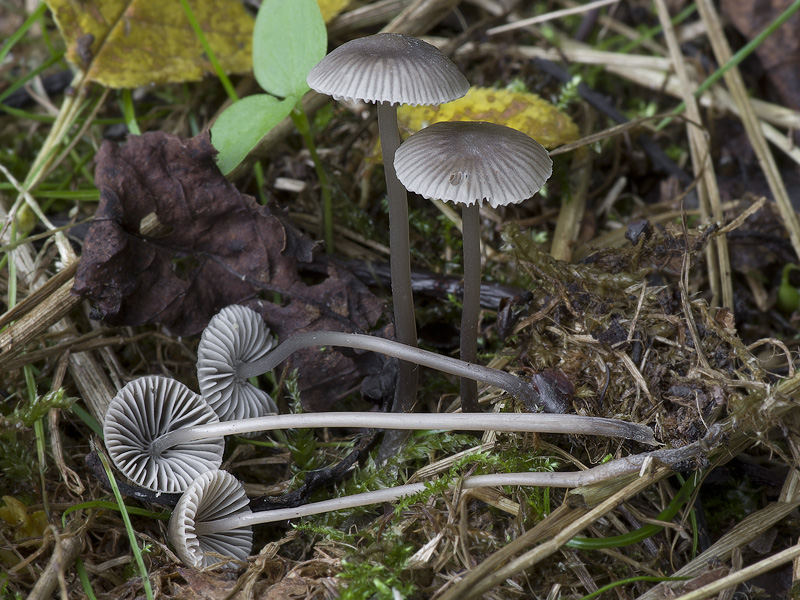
column 527, row 422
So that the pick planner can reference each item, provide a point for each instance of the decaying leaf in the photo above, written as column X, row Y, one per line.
column 525, row 112
column 22, row 523
column 215, row 247
column 131, row 43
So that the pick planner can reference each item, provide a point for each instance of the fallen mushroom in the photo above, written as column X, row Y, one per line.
column 226, row 366
column 160, row 405
column 391, row 69
column 235, row 336
column 466, row 163
column 202, row 526
column 161, row 435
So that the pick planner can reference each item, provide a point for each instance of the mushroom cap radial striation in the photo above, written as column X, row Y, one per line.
column 211, row 496
column 389, row 67
column 468, row 162
column 143, row 411
column 236, row 335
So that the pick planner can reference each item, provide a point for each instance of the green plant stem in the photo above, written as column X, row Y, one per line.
column 88, row 419
column 23, row 114
column 300, row 120
column 30, row 382
column 137, row 553
column 129, row 113
column 612, row 585
column 38, row 428
column 30, row 75
column 470, row 307
column 651, row 32
column 644, row 532
column 104, row 504
column 22, row 30
column 212, row 56
column 737, row 58
column 86, row 584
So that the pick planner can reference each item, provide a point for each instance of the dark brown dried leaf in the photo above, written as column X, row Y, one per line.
column 216, row 247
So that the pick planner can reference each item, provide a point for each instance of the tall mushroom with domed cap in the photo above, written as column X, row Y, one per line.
column 467, row 163
column 391, row 69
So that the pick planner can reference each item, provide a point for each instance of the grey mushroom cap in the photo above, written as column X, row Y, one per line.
column 211, row 496
column 467, row 162
column 144, row 410
column 388, row 67
column 235, row 336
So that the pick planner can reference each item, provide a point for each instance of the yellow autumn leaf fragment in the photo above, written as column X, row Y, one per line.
column 331, row 9
column 132, row 43
column 22, row 523
column 525, row 112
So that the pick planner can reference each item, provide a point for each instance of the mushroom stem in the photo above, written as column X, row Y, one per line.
column 400, row 259
column 527, row 422
column 470, row 308
column 570, row 479
column 506, row 381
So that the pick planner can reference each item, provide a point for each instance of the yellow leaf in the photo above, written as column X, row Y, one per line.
column 528, row 113
column 21, row 523
column 131, row 43
column 330, row 9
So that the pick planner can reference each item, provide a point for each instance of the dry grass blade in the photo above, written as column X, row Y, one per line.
column 733, row 79
column 741, row 535
column 556, row 14
column 718, row 260
column 763, row 566
column 573, row 206
column 557, row 530
column 90, row 379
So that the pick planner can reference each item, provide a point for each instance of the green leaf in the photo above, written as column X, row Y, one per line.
column 289, row 39
column 238, row 129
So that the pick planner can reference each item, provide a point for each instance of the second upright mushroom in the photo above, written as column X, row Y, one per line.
column 391, row 69
column 466, row 163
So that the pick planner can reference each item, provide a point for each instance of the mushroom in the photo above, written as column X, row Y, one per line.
column 162, row 436
column 391, row 69
column 466, row 163
column 235, row 337
column 212, row 496
column 141, row 412
column 201, row 524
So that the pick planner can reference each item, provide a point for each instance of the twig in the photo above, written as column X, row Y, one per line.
column 67, row 552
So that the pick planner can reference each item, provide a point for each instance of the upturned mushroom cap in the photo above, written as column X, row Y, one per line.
column 236, row 335
column 388, row 67
column 467, row 162
column 211, row 496
column 144, row 410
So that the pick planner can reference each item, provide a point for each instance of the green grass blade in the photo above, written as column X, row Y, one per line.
column 129, row 113
column 137, row 553
column 85, row 416
column 614, row 584
column 21, row 82
column 23, row 29
column 743, row 53
column 212, row 57
column 644, row 532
